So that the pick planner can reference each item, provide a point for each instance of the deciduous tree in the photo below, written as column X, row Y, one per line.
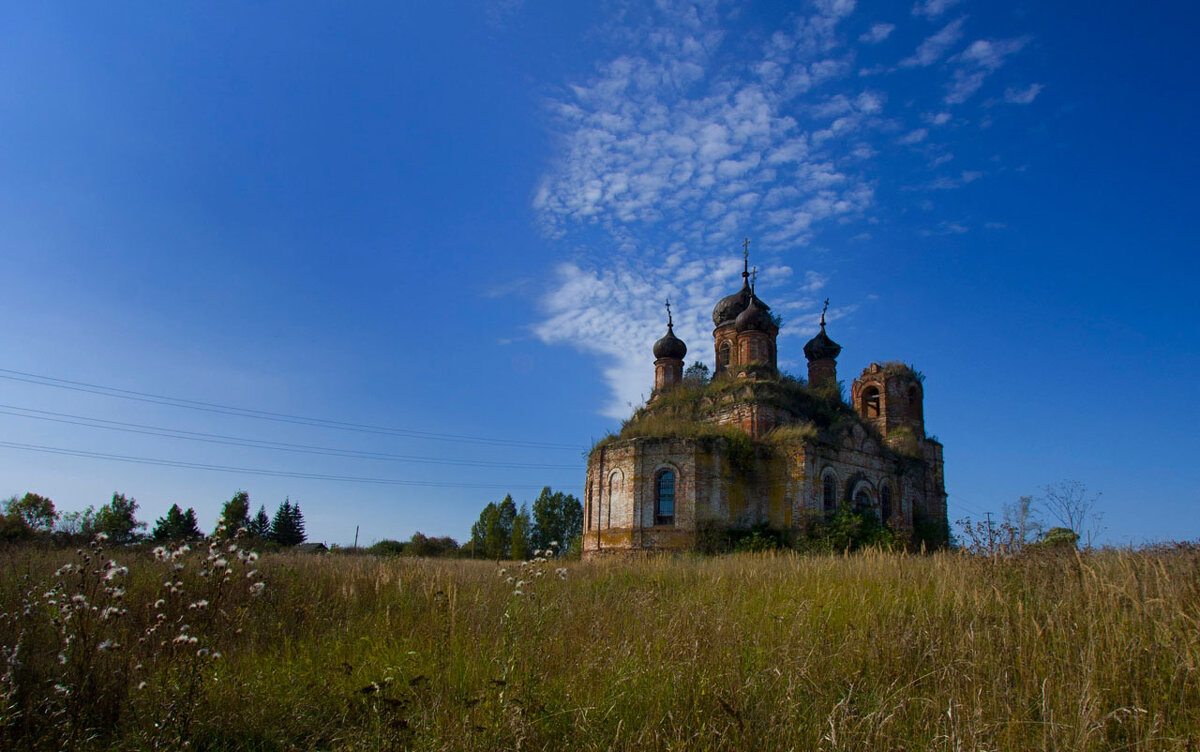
column 697, row 373
column 1071, row 504
column 37, row 511
column 557, row 517
column 116, row 520
column 518, row 546
column 1021, row 517
column 495, row 542
column 236, row 513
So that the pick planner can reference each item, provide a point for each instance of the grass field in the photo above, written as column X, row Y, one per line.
column 748, row 652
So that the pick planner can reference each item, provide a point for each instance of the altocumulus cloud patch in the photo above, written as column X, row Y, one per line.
column 689, row 137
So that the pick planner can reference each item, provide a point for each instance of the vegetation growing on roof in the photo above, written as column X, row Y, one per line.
column 898, row 368
column 688, row 410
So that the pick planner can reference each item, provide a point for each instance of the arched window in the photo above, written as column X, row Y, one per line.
column 614, row 480
column 587, row 513
column 885, row 503
column 664, row 498
column 862, row 502
column 829, row 492
column 723, row 356
column 870, row 402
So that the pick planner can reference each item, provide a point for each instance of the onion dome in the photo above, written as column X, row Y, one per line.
column 755, row 317
column 729, row 307
column 670, row 346
column 821, row 347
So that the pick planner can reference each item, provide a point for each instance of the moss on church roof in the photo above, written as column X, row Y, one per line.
column 689, row 410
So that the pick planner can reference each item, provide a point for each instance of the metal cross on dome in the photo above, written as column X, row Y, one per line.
column 823, row 310
column 670, row 323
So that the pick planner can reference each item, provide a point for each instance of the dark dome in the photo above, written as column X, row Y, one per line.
column 821, row 347
column 670, row 346
column 728, row 308
column 755, row 317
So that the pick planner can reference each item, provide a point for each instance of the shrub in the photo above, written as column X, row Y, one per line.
column 1057, row 539
column 847, row 529
column 386, row 547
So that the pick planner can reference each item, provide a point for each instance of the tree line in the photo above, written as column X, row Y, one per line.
column 34, row 517
column 552, row 523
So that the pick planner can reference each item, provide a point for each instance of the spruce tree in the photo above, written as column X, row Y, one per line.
column 287, row 528
column 177, row 525
column 298, row 524
column 260, row 525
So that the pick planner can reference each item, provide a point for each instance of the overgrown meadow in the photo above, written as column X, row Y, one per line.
column 213, row 648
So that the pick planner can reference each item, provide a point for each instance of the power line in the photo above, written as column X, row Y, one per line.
column 245, row 412
column 253, row 471
column 212, row 438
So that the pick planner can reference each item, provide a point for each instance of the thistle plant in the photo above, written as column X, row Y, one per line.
column 85, row 662
column 202, row 602
column 523, row 621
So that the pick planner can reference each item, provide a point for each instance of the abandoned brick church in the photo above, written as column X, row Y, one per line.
column 755, row 449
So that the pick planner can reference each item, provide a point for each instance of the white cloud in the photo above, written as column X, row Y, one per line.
column 1022, row 96
column 946, row 228
column 518, row 286
column 990, row 54
column 933, row 8
column 684, row 141
column 933, row 47
column 962, row 85
column 870, row 102
column 877, row 33
column 981, row 58
column 699, row 154
column 944, row 183
column 499, row 11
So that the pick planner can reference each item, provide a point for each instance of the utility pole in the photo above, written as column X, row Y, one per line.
column 991, row 538
column 356, row 537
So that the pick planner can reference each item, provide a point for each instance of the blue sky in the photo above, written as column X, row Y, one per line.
column 445, row 229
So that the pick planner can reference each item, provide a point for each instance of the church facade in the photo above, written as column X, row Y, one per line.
column 755, row 449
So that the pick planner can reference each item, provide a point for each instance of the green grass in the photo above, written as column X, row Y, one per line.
column 871, row 651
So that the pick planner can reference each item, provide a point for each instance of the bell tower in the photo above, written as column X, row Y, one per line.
column 890, row 396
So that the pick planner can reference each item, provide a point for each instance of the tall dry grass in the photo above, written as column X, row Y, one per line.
column 871, row 651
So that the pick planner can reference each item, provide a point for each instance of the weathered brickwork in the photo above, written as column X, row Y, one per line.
column 659, row 493
column 780, row 485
